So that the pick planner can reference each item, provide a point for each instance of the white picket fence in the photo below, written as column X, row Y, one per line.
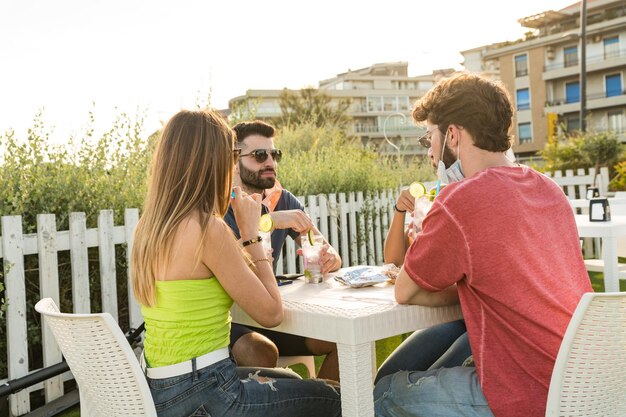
column 575, row 183
column 354, row 223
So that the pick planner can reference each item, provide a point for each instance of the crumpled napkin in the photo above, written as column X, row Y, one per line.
column 363, row 276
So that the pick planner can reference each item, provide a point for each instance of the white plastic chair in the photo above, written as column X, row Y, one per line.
column 618, row 208
column 589, row 376
column 110, row 380
column 307, row 361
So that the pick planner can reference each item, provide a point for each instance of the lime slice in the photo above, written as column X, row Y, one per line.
column 417, row 189
column 266, row 223
column 311, row 239
column 432, row 194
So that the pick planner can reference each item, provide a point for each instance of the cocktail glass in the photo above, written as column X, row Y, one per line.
column 422, row 206
column 311, row 254
column 267, row 243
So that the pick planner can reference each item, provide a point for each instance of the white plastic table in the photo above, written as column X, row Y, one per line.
column 354, row 318
column 608, row 232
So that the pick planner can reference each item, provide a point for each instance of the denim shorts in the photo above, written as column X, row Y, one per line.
column 217, row 391
column 442, row 392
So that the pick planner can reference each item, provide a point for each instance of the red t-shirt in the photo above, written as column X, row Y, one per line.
column 507, row 236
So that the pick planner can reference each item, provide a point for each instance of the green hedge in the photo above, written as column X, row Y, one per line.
column 324, row 160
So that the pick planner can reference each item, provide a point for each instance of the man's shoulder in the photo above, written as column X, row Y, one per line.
column 288, row 201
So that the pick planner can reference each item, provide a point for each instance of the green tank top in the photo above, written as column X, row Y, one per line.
column 191, row 318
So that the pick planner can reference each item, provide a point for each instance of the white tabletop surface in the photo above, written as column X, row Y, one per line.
column 353, row 318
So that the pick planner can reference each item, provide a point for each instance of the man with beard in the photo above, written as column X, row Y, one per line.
column 256, row 174
column 501, row 240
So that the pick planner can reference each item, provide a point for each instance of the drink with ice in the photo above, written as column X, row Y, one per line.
column 267, row 243
column 422, row 206
column 266, row 225
column 311, row 253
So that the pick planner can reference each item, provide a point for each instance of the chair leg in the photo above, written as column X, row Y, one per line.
column 307, row 361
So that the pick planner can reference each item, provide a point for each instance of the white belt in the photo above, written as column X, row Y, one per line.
column 186, row 367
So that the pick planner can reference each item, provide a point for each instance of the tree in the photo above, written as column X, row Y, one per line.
column 311, row 106
column 584, row 150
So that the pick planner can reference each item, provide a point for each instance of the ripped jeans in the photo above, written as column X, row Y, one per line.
column 438, row 392
column 217, row 391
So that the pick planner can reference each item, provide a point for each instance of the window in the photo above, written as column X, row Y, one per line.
column 572, row 123
column 403, row 103
column 374, row 103
column 616, row 120
column 570, row 56
column 389, row 104
column 572, row 92
column 613, row 85
column 525, row 133
column 611, row 47
column 523, row 99
column 521, row 65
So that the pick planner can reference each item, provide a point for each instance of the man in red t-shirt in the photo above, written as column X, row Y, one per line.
column 500, row 239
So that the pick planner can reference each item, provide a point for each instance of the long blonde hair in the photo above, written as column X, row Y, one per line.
column 192, row 170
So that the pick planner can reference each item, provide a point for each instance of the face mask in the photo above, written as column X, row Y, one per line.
column 510, row 155
column 454, row 172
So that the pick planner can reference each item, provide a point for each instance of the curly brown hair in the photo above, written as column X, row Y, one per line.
column 481, row 106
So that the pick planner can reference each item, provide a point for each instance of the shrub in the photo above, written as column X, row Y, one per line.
column 618, row 182
column 85, row 175
column 324, row 160
column 585, row 150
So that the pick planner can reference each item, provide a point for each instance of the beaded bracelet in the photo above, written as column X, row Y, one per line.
column 254, row 262
column 398, row 210
column 251, row 241
column 260, row 260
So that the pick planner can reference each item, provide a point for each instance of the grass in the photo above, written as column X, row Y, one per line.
column 384, row 347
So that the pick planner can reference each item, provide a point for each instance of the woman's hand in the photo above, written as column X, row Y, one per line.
column 247, row 210
column 405, row 201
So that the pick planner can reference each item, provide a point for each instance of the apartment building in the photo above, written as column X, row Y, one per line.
column 542, row 73
column 381, row 97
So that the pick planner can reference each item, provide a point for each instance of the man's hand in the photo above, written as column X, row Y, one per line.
column 292, row 219
column 329, row 259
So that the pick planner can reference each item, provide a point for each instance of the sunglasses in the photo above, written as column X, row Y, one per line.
column 236, row 155
column 260, row 155
column 425, row 140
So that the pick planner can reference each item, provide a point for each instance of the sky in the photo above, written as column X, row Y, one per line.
column 70, row 57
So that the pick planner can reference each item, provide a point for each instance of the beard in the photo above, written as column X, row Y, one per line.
column 448, row 158
column 252, row 179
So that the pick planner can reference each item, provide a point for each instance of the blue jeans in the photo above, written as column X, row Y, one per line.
column 217, row 391
column 442, row 346
column 442, row 392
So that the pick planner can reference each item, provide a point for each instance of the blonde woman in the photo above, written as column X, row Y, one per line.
column 187, row 270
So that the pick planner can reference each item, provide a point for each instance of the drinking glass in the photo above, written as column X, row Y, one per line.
column 311, row 256
column 422, row 206
column 267, row 244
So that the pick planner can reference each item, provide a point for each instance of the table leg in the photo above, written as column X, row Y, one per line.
column 609, row 255
column 357, row 389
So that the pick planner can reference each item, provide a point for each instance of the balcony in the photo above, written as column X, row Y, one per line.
column 374, row 130
column 594, row 101
column 596, row 62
